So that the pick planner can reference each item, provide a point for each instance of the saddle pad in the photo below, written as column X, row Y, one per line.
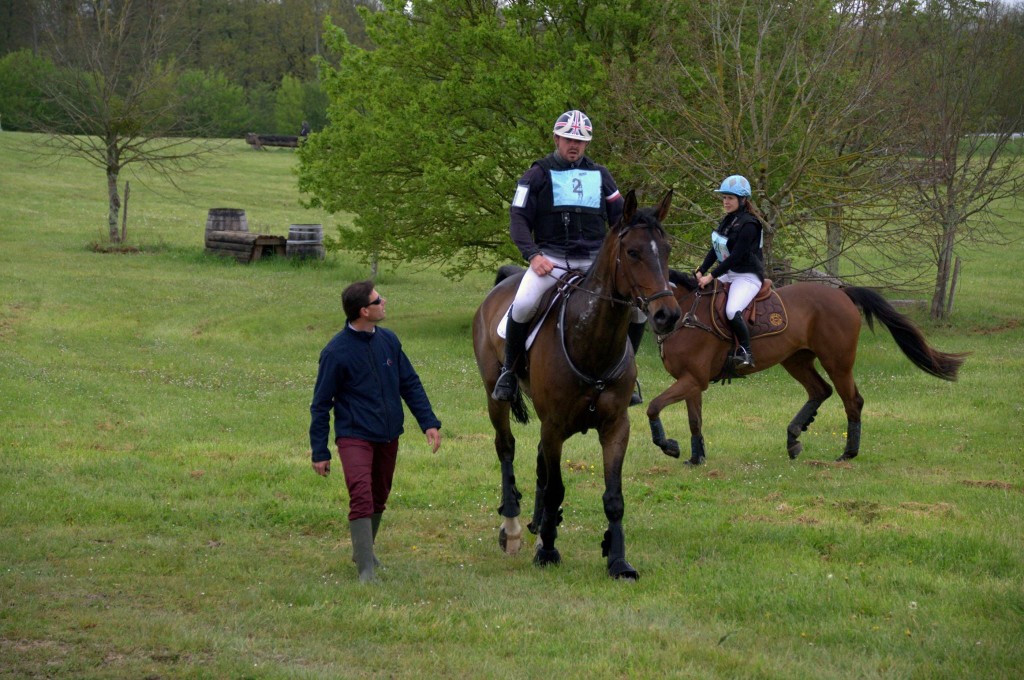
column 533, row 331
column 766, row 315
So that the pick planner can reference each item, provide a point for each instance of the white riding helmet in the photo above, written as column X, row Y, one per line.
column 574, row 125
column 737, row 185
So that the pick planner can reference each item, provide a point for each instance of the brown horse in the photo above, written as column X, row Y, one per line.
column 580, row 375
column 823, row 324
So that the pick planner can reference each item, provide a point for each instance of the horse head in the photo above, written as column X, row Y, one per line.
column 642, row 261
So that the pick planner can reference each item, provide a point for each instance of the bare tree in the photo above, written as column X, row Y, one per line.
column 116, row 91
column 960, row 141
column 787, row 94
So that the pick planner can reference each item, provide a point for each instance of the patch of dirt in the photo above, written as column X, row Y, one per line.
column 843, row 464
column 1008, row 325
column 989, row 484
column 944, row 509
column 114, row 248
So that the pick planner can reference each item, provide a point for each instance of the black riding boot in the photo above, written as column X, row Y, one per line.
column 636, row 334
column 743, row 357
column 515, row 346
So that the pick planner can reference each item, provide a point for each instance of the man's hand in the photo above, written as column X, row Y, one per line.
column 434, row 439
column 541, row 265
column 322, row 468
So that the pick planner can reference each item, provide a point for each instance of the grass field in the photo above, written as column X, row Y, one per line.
column 159, row 517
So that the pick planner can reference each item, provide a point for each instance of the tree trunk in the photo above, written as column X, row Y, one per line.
column 952, row 287
column 834, row 240
column 942, row 273
column 115, row 206
column 113, row 154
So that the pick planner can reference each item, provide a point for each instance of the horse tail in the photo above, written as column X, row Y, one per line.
column 907, row 336
column 519, row 410
column 506, row 271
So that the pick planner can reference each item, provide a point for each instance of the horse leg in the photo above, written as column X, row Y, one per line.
column 553, row 495
column 841, row 372
column 801, row 367
column 683, row 388
column 613, row 442
column 538, row 497
column 510, row 535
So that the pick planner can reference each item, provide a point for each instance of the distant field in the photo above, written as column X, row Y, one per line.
column 159, row 517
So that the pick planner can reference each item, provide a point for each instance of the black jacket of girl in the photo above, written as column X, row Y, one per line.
column 742, row 231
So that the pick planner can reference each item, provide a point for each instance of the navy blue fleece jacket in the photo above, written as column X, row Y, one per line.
column 364, row 377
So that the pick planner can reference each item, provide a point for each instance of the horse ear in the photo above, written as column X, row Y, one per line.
column 629, row 211
column 666, row 203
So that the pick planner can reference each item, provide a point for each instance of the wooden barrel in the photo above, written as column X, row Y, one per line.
column 226, row 219
column 305, row 240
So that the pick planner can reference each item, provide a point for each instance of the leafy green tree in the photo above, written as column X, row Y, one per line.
column 212, row 105
column 289, row 107
column 24, row 79
column 430, row 130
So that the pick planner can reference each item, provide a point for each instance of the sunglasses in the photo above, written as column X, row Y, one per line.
column 375, row 302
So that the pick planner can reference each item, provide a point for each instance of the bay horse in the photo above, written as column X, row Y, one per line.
column 580, row 375
column 823, row 324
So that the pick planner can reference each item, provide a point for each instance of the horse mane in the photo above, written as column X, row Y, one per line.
column 684, row 279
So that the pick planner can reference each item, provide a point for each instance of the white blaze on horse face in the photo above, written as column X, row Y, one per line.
column 654, row 249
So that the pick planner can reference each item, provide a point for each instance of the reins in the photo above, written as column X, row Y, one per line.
column 640, row 301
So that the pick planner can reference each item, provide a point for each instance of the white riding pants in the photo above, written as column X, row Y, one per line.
column 742, row 291
column 533, row 287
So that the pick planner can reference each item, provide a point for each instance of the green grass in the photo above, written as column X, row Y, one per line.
column 159, row 517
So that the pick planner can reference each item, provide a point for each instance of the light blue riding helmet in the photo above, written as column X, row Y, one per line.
column 737, row 185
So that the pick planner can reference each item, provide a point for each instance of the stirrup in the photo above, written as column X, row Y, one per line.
column 506, row 386
column 742, row 358
column 638, row 396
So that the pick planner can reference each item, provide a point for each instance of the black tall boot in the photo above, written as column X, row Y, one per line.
column 515, row 347
column 636, row 334
column 743, row 357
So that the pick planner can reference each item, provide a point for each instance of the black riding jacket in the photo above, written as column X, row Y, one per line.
column 742, row 231
column 548, row 221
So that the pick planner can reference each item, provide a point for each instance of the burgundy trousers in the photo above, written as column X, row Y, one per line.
column 369, row 468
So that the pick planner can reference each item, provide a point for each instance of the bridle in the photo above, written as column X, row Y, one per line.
column 642, row 302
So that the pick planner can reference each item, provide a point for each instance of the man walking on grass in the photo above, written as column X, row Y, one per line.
column 363, row 377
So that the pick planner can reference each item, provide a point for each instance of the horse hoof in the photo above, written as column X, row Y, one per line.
column 846, row 456
column 544, row 557
column 671, row 448
column 695, row 461
column 510, row 545
column 795, row 450
column 621, row 569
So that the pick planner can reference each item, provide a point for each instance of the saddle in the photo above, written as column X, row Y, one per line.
column 548, row 301
column 765, row 315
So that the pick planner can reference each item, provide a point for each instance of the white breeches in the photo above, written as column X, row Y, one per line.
column 742, row 291
column 533, row 287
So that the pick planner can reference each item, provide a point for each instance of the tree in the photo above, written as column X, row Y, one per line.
column 784, row 93
column 960, row 134
column 24, row 79
column 117, row 92
column 430, row 130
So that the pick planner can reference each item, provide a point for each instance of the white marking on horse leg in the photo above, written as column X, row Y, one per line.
column 513, row 535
